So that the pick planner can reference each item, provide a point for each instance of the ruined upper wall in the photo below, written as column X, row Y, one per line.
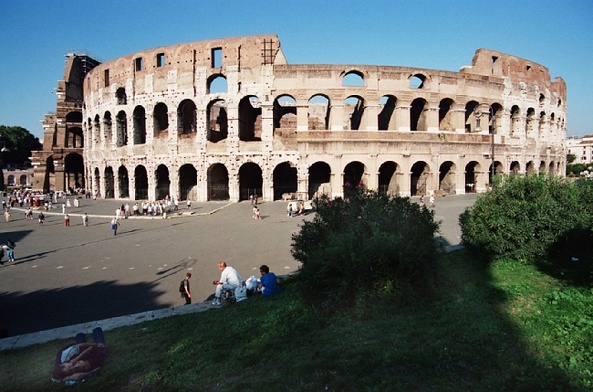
column 185, row 58
column 492, row 63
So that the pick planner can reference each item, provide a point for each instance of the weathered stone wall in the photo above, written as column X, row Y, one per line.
column 157, row 122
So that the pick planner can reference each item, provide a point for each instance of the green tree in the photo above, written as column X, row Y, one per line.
column 19, row 143
column 570, row 158
column 363, row 246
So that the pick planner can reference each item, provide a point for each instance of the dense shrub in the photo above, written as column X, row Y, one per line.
column 367, row 246
column 522, row 217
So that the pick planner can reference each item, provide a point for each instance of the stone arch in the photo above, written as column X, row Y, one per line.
column 73, row 171
column 250, row 122
column 186, row 118
column 515, row 120
column 141, row 183
column 162, row 182
column 354, row 108
column 139, row 125
column 353, row 78
column 160, row 119
column 417, row 81
column 123, row 181
column 109, row 182
column 447, row 172
column 285, row 180
column 515, row 168
column 419, row 178
column 250, row 181
column 389, row 179
column 445, row 121
column 121, row 129
column 471, row 176
column 318, row 110
column 108, row 127
column 355, row 175
column 386, row 117
column 418, row 115
column 218, row 122
column 472, row 116
column 121, row 96
column 218, row 182
column 285, row 112
column 188, row 181
column 319, row 180
column 494, row 115
column 216, row 84
column 530, row 168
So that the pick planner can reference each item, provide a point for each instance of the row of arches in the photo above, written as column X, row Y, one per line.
column 351, row 113
column 285, row 180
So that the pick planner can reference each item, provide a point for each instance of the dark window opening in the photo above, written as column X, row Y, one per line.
column 106, row 77
column 160, row 60
column 138, row 63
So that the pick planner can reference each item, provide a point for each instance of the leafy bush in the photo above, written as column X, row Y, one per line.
column 522, row 217
column 367, row 246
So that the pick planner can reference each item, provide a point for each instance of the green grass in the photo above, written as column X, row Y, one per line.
column 505, row 326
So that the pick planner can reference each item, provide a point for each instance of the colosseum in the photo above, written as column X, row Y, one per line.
column 226, row 119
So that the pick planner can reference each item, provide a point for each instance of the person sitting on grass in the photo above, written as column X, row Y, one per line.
column 268, row 282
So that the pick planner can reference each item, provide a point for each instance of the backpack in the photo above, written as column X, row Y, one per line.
column 182, row 286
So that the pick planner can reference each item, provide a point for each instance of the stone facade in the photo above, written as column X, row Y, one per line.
column 228, row 118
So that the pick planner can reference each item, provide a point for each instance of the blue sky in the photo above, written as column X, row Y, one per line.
column 36, row 35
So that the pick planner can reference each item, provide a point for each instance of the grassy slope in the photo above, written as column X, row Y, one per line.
column 504, row 327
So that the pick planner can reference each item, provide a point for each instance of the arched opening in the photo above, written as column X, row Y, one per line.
column 250, row 125
column 319, row 180
column 160, row 119
column 285, row 180
column 419, row 178
column 472, row 116
column 122, row 129
column 416, row 81
column 418, row 115
column 515, row 168
column 250, row 181
column 318, row 113
column 218, row 127
column 163, row 182
column 285, row 112
column 530, row 168
column 107, row 128
column 515, row 120
column 386, row 118
column 471, row 177
column 109, row 183
column 123, row 181
column 445, row 123
column 353, row 79
column 139, row 125
column 354, row 175
column 498, row 170
column 494, row 116
column 73, row 172
column 121, row 97
column 188, row 180
column 447, row 178
column 354, row 109
column 216, row 84
column 218, row 182
column 141, row 182
column 388, row 179
column 186, row 117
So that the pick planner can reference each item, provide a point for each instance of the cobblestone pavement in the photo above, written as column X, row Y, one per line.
column 74, row 276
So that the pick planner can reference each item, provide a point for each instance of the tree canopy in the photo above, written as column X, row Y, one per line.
column 19, row 143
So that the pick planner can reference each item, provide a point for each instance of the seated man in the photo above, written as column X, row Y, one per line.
column 268, row 281
column 77, row 362
column 229, row 280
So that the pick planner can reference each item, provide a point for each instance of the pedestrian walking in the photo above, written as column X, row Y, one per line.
column 7, row 214
column 431, row 200
column 114, row 225
column 41, row 219
column 188, row 204
column 66, row 220
column 184, row 289
column 9, row 247
column 85, row 220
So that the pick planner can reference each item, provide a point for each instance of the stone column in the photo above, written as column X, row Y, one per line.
column 336, row 120
column 432, row 119
column 402, row 115
column 370, row 118
column 302, row 117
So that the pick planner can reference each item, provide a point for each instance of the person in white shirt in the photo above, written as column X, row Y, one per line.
column 229, row 280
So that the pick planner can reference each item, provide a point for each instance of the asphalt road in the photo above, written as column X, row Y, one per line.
column 69, row 275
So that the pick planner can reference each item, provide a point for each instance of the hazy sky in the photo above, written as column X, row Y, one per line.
column 36, row 35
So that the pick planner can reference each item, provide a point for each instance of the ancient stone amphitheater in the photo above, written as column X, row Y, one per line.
column 225, row 119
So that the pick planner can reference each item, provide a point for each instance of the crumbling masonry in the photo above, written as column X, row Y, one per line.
column 228, row 118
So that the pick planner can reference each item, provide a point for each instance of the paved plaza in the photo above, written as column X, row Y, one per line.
column 70, row 275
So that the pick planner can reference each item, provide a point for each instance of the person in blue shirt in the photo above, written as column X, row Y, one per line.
column 268, row 282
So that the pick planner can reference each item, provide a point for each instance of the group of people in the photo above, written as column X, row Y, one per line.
column 230, row 280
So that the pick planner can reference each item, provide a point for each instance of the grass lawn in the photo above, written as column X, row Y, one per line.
column 505, row 326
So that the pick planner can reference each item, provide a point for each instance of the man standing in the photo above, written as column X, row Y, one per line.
column 186, row 293
column 114, row 224
column 229, row 280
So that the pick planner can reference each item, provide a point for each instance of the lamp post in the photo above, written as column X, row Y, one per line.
column 3, row 149
column 491, row 124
